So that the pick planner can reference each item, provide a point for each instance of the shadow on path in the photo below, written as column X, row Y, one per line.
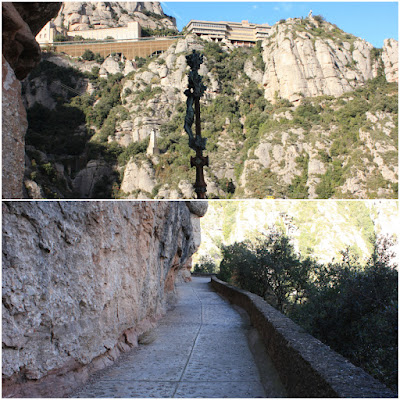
column 201, row 350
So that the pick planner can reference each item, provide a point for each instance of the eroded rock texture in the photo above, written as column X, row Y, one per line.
column 299, row 61
column 21, row 53
column 81, row 282
column 83, row 15
column 390, row 58
column 14, row 127
column 21, row 22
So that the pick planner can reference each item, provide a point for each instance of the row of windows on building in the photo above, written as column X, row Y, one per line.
column 219, row 26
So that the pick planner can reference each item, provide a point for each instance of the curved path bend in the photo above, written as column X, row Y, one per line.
column 202, row 349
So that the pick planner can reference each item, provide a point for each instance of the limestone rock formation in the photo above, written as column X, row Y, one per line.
column 87, row 178
column 198, row 207
column 390, row 58
column 300, row 61
column 81, row 282
column 138, row 177
column 96, row 15
column 14, row 126
column 229, row 222
column 21, row 53
column 279, row 136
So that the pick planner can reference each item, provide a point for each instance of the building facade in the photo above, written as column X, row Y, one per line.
column 48, row 33
column 131, row 31
column 238, row 33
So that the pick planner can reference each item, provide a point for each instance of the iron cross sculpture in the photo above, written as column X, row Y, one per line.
column 194, row 91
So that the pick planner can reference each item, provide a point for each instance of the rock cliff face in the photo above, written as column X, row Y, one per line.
column 78, row 16
column 324, row 227
column 81, row 282
column 14, row 127
column 390, row 58
column 21, row 54
column 310, row 57
column 21, row 22
column 298, row 64
column 311, row 113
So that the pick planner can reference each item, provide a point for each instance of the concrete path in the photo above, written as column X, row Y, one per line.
column 201, row 350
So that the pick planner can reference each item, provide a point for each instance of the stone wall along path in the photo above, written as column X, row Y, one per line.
column 199, row 349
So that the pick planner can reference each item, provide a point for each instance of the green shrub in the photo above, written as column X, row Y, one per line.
column 354, row 310
column 319, row 18
column 88, row 55
column 269, row 267
column 51, row 130
column 332, row 178
column 206, row 265
column 298, row 188
column 351, row 306
column 60, row 38
column 132, row 150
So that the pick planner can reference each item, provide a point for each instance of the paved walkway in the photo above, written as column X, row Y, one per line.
column 201, row 350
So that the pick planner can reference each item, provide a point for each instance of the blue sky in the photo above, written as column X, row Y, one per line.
column 372, row 21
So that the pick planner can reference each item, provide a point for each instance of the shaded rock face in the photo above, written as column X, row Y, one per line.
column 19, row 46
column 81, row 281
column 14, row 127
column 87, row 178
column 21, row 53
column 198, row 207
column 37, row 14
column 21, row 22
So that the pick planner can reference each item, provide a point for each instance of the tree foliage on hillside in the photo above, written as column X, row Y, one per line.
column 235, row 121
column 349, row 305
column 268, row 266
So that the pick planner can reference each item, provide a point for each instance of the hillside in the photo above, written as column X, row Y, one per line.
column 310, row 112
column 320, row 230
column 78, row 16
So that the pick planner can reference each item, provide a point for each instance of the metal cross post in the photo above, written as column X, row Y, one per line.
column 194, row 91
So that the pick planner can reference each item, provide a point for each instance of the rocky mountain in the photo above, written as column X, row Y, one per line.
column 78, row 16
column 310, row 112
column 318, row 229
column 20, row 54
column 310, row 57
column 83, row 281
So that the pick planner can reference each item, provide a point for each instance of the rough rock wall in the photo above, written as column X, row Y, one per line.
column 302, row 62
column 326, row 227
column 390, row 58
column 21, row 53
column 80, row 16
column 81, row 281
column 14, row 126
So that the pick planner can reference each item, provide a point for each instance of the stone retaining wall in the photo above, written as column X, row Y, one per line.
column 307, row 367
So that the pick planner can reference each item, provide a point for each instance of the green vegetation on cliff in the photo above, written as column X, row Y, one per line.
column 318, row 147
column 349, row 305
